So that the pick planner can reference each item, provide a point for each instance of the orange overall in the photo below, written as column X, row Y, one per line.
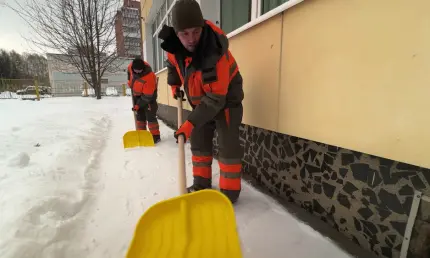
column 144, row 88
column 213, row 86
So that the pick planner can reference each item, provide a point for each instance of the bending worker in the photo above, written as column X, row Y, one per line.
column 199, row 59
column 142, row 81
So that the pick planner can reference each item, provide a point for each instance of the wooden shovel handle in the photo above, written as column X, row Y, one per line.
column 133, row 104
column 181, row 176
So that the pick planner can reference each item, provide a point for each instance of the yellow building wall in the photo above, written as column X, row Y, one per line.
column 257, row 53
column 145, row 7
column 163, row 94
column 354, row 74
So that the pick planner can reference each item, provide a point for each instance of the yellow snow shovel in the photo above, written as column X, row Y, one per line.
column 198, row 224
column 137, row 138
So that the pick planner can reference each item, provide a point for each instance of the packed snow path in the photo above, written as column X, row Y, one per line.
column 69, row 189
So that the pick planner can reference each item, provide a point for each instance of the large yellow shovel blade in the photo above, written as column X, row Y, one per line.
column 199, row 224
column 139, row 138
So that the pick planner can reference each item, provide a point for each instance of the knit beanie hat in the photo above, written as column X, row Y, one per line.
column 187, row 14
column 138, row 64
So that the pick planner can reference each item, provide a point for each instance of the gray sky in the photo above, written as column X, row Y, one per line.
column 12, row 27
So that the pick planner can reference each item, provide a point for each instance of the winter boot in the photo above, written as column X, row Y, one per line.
column 195, row 188
column 233, row 195
column 156, row 138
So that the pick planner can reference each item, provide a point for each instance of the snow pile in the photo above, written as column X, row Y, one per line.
column 33, row 96
column 111, row 91
column 21, row 160
column 8, row 95
column 69, row 189
column 13, row 95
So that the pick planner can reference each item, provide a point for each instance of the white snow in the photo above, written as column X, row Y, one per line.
column 21, row 160
column 8, row 95
column 69, row 189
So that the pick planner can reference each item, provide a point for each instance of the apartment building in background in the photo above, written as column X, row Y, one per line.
column 127, row 29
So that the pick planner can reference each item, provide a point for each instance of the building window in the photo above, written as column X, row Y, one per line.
column 163, row 17
column 267, row 5
column 234, row 14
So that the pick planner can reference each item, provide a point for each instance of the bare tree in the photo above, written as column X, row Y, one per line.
column 82, row 32
column 36, row 65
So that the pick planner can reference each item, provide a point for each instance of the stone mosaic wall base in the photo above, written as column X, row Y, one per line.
column 367, row 198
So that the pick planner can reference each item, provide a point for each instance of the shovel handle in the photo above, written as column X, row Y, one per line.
column 134, row 112
column 181, row 176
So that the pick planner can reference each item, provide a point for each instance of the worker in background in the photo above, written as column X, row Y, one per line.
column 142, row 81
column 199, row 59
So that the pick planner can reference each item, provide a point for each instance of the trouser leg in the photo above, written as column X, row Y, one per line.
column 140, row 118
column 151, row 116
column 201, row 149
column 230, row 151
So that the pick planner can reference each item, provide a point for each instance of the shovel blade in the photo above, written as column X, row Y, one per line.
column 199, row 224
column 138, row 138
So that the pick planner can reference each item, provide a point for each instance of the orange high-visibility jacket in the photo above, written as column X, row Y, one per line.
column 211, row 78
column 145, row 85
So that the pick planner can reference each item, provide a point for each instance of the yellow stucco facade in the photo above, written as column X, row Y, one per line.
column 145, row 7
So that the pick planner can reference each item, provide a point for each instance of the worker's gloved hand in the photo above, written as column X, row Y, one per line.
column 135, row 108
column 185, row 130
column 177, row 92
column 141, row 103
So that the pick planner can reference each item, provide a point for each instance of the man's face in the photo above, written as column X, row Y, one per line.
column 190, row 38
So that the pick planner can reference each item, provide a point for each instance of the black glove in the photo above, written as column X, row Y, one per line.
column 179, row 93
column 142, row 102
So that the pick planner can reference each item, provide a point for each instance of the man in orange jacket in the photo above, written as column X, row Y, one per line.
column 198, row 58
column 142, row 81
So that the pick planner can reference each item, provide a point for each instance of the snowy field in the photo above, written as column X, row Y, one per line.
column 69, row 189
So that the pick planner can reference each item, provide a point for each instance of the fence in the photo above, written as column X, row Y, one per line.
column 24, row 89
column 81, row 88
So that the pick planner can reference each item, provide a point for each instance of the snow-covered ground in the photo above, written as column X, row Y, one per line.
column 69, row 189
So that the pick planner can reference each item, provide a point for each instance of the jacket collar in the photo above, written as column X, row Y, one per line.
column 211, row 48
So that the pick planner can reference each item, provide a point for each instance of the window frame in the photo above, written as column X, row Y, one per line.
column 251, row 12
column 161, row 18
column 258, row 17
column 256, row 10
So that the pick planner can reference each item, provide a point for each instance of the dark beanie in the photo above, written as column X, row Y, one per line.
column 187, row 14
column 138, row 64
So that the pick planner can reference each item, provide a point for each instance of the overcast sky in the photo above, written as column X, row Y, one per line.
column 12, row 27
